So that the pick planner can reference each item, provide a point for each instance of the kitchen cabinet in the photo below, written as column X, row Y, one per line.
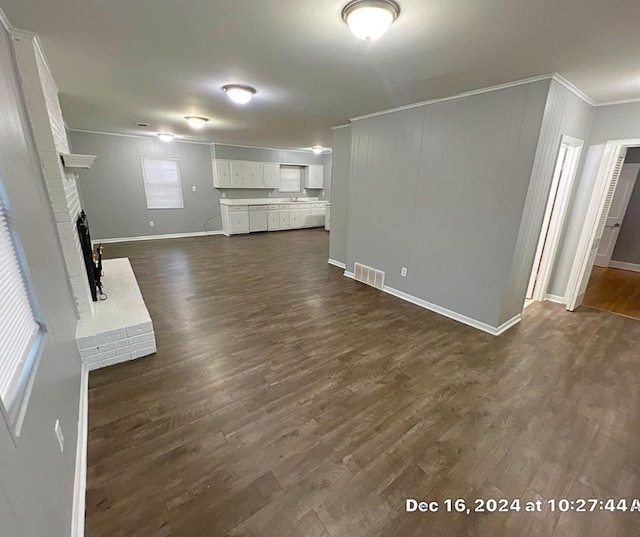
column 327, row 217
column 221, row 174
column 236, row 173
column 305, row 216
column 271, row 175
column 317, row 215
column 314, row 177
column 252, row 174
column 294, row 218
column 258, row 218
column 239, row 219
column 273, row 223
column 285, row 221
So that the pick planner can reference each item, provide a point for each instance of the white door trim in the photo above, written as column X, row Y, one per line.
column 555, row 218
column 580, row 268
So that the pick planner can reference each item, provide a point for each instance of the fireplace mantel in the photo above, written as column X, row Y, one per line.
column 72, row 161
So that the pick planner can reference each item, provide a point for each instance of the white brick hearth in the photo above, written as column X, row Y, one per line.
column 120, row 328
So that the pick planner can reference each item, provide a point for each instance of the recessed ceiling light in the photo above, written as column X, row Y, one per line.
column 165, row 137
column 370, row 19
column 196, row 122
column 317, row 149
column 239, row 94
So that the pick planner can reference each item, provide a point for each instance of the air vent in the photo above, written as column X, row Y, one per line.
column 142, row 124
column 370, row 276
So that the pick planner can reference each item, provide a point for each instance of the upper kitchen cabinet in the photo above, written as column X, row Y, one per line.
column 271, row 175
column 314, row 177
column 252, row 174
column 221, row 174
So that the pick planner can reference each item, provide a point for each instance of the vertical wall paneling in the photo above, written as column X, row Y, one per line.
column 341, row 170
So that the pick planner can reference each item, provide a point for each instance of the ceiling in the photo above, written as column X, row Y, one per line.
column 118, row 62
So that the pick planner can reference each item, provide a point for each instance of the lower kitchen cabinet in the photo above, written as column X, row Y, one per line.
column 295, row 215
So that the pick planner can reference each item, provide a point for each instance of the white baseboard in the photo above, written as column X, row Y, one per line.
column 156, row 237
column 555, row 298
column 625, row 266
column 494, row 331
column 335, row 263
column 349, row 274
column 80, row 482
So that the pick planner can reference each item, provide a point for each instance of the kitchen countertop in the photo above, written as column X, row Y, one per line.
column 270, row 201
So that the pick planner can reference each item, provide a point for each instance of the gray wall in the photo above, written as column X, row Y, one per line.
column 565, row 114
column 613, row 122
column 627, row 248
column 440, row 189
column 327, row 162
column 113, row 190
column 36, row 479
column 257, row 154
column 340, row 193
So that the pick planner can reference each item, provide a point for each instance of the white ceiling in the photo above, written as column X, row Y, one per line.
column 118, row 62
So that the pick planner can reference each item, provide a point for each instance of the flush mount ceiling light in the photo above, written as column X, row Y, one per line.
column 370, row 19
column 317, row 149
column 239, row 94
column 165, row 137
column 196, row 122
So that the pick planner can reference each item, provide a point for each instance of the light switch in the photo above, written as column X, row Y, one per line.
column 59, row 435
column 403, row 272
column 194, row 188
column 151, row 223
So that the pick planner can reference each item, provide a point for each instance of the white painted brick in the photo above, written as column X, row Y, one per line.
column 114, row 335
column 122, row 343
column 87, row 353
column 123, row 350
column 141, row 353
column 139, row 329
column 142, row 338
column 106, row 355
column 103, row 347
column 87, row 342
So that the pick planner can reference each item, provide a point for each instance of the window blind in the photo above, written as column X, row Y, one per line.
column 290, row 177
column 18, row 326
column 162, row 183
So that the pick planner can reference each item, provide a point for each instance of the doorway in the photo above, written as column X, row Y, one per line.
column 604, row 218
column 554, row 218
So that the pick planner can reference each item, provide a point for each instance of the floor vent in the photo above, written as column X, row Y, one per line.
column 370, row 276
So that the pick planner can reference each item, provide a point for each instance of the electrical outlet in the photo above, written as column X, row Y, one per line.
column 403, row 272
column 224, row 194
column 59, row 435
column 194, row 188
column 152, row 223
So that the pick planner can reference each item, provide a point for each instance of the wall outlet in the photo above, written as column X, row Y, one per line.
column 224, row 194
column 403, row 272
column 194, row 188
column 59, row 435
column 152, row 223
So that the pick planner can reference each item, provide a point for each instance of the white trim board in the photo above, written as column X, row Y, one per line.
column 335, row 263
column 555, row 298
column 493, row 330
column 80, row 481
column 156, row 237
column 635, row 267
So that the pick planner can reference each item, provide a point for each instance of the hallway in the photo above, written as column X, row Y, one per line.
column 614, row 290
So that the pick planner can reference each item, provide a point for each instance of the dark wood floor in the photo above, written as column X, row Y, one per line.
column 286, row 400
column 614, row 290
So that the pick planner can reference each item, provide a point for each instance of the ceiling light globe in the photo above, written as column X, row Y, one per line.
column 317, row 149
column 165, row 137
column 370, row 19
column 196, row 122
column 239, row 94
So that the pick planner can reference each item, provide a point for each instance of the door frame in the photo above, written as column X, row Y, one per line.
column 555, row 216
column 579, row 269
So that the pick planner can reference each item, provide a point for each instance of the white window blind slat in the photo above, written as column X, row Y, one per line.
column 290, row 178
column 18, row 326
column 162, row 183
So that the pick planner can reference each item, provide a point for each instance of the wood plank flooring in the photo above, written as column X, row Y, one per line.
column 286, row 400
column 614, row 290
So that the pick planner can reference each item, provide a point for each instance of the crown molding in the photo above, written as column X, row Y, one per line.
column 622, row 101
column 573, row 89
column 341, row 127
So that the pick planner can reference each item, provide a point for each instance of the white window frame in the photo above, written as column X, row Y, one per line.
column 143, row 158
column 283, row 186
column 13, row 411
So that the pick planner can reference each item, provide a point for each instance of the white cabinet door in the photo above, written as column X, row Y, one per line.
column 273, row 223
column 315, row 176
column 271, row 175
column 239, row 220
column 285, row 221
column 236, row 173
column 317, row 216
column 294, row 218
column 252, row 174
column 305, row 216
column 221, row 174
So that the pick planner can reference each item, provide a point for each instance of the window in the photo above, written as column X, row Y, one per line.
column 290, row 178
column 162, row 183
column 20, row 332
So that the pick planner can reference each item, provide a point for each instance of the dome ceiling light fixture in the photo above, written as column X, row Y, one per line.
column 370, row 19
column 317, row 149
column 196, row 122
column 238, row 93
column 166, row 137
